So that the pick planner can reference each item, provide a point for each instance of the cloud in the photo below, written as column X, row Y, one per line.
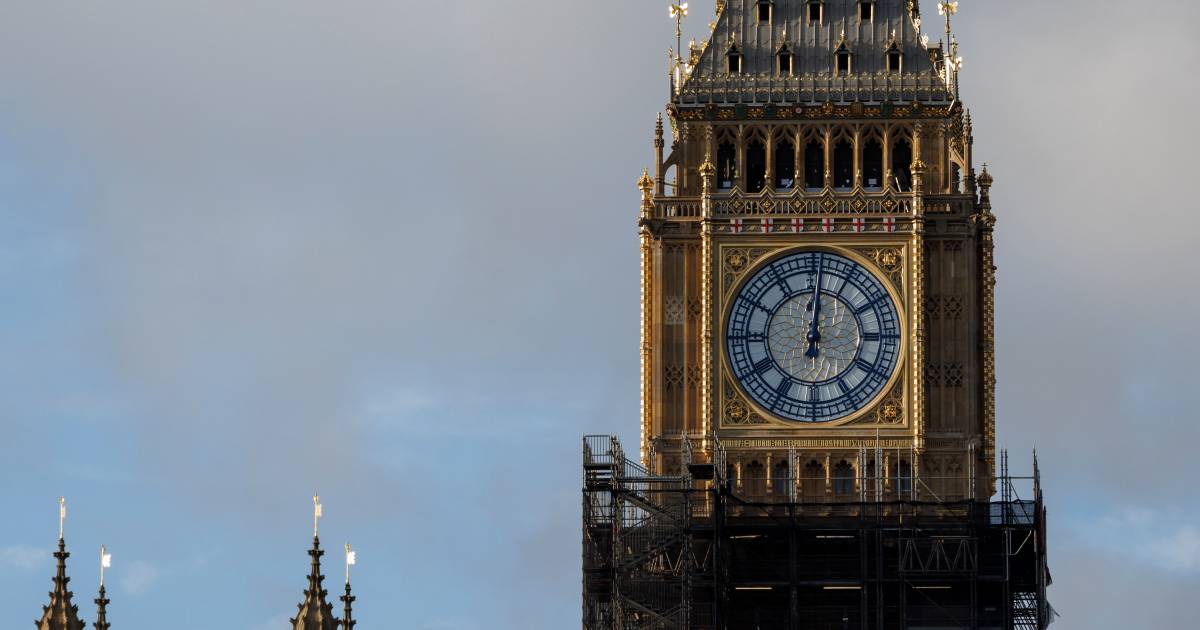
column 23, row 557
column 139, row 577
column 1179, row 550
column 278, row 622
column 1163, row 539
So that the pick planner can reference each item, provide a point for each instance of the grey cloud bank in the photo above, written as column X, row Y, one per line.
column 386, row 251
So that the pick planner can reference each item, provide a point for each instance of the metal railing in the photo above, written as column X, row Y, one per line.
column 814, row 88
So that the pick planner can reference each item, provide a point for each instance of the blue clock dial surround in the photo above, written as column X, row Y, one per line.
column 809, row 354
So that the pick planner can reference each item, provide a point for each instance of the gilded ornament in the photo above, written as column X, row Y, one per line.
column 736, row 261
column 735, row 411
column 889, row 412
column 890, row 260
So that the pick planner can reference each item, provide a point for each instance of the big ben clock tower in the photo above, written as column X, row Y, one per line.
column 817, row 273
column 817, row 445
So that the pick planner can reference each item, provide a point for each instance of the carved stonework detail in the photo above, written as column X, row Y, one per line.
column 672, row 375
column 737, row 260
column 939, row 306
column 890, row 261
column 943, row 375
column 693, row 376
column 673, row 310
column 953, row 305
column 736, row 411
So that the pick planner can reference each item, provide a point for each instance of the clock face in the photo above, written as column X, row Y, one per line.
column 813, row 336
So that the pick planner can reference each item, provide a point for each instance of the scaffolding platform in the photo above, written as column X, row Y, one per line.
column 686, row 551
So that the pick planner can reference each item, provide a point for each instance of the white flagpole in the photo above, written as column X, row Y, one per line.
column 105, row 562
column 316, row 513
column 62, row 515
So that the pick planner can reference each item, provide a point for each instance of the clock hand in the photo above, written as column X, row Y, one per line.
column 814, row 334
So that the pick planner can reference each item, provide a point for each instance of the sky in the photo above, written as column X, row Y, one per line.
column 386, row 251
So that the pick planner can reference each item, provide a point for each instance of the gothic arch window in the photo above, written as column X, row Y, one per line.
column 894, row 59
column 843, row 479
column 813, row 481
column 764, row 10
column 843, row 163
column 866, row 11
column 814, row 11
column 726, row 165
column 814, row 162
column 755, row 483
column 872, row 162
column 780, row 479
column 841, row 60
column 756, row 164
column 733, row 59
column 783, row 60
column 785, row 163
column 955, row 178
column 902, row 157
column 902, row 476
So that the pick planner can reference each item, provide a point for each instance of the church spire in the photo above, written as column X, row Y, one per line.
column 347, row 615
column 348, row 599
column 103, row 602
column 102, row 611
column 314, row 612
column 61, row 614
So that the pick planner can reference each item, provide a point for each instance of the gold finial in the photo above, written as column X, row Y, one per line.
column 985, row 178
column 644, row 182
column 317, row 513
column 62, row 515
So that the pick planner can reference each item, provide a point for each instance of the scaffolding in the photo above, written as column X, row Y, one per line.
column 686, row 549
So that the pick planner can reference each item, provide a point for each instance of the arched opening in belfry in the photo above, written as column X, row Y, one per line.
column 785, row 164
column 813, row 482
column 726, row 165
column 755, row 484
column 902, row 476
column 843, row 164
column 955, row 178
column 814, row 165
column 756, row 165
column 784, row 60
column 671, row 181
column 842, row 60
column 843, row 479
column 902, row 157
column 872, row 164
column 781, row 480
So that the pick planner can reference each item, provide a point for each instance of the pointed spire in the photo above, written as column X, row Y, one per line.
column 61, row 614
column 102, row 611
column 315, row 613
column 347, row 614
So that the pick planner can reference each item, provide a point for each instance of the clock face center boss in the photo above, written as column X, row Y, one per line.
column 812, row 336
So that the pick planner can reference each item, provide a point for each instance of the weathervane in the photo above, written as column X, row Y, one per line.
column 678, row 12
column 953, row 62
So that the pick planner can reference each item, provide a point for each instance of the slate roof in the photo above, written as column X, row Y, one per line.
column 814, row 75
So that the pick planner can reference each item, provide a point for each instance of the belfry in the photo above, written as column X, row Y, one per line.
column 817, row 360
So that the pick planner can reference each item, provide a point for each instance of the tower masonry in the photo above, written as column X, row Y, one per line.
column 817, row 344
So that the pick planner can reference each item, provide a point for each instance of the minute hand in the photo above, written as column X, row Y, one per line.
column 814, row 334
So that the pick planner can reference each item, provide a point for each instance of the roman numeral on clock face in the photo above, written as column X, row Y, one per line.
column 763, row 366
